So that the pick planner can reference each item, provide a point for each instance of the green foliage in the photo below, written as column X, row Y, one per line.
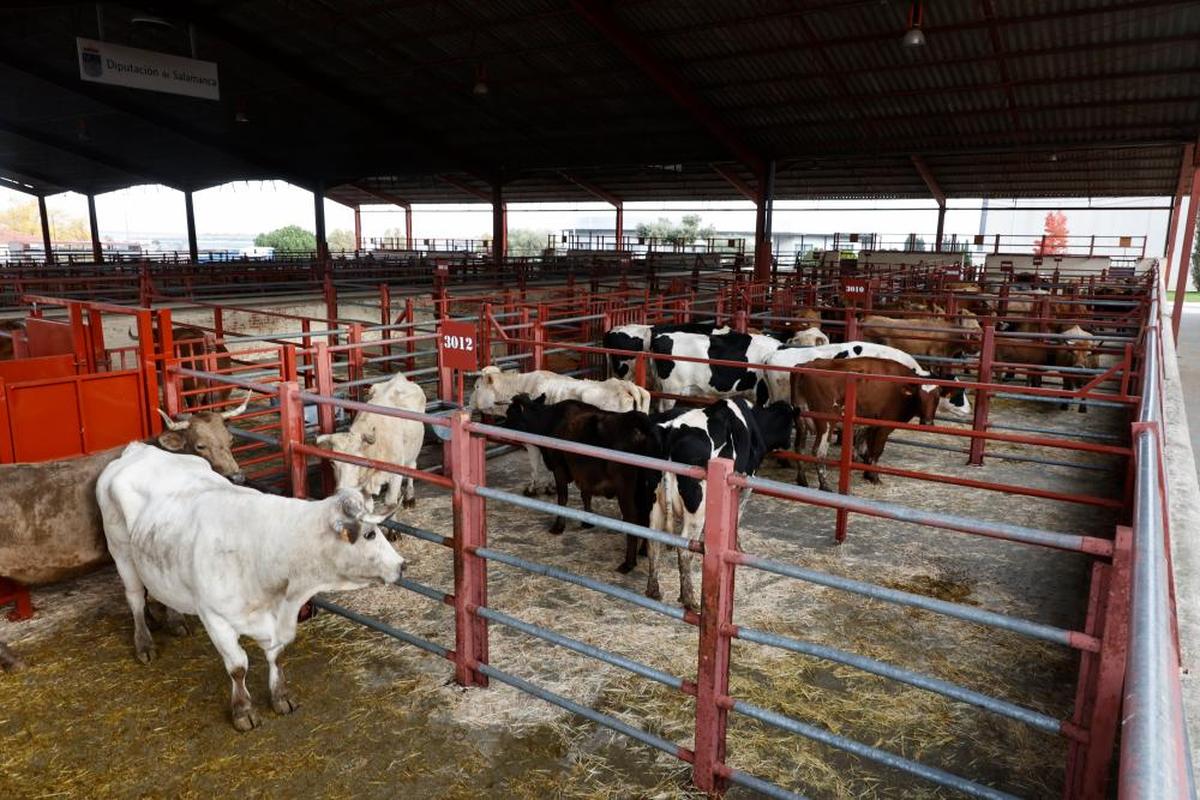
column 1196, row 266
column 685, row 233
column 526, row 242
column 291, row 238
column 341, row 241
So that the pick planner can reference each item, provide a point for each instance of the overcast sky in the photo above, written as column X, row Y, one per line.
column 248, row 208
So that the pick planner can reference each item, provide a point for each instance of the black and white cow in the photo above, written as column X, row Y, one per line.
column 636, row 339
column 704, row 380
column 733, row 429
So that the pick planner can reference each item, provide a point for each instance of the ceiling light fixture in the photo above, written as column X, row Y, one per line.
column 145, row 19
column 914, row 36
column 481, row 85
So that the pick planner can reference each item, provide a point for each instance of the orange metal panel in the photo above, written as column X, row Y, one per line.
column 44, row 420
column 49, row 338
column 6, row 450
column 112, row 410
column 36, row 369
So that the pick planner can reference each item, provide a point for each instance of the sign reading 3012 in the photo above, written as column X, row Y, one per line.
column 458, row 345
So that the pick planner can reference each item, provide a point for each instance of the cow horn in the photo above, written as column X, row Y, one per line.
column 239, row 409
column 379, row 519
column 182, row 425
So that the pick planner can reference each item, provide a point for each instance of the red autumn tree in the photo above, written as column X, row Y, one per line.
column 1054, row 240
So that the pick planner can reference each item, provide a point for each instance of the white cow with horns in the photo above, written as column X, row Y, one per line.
column 382, row 438
column 495, row 390
column 244, row 561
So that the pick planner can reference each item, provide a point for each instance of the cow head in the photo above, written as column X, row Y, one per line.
column 207, row 435
column 349, row 476
column 775, row 422
column 810, row 337
column 949, row 401
column 360, row 555
column 485, row 397
column 1080, row 354
column 523, row 413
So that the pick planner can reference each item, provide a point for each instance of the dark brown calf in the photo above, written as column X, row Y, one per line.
column 629, row 432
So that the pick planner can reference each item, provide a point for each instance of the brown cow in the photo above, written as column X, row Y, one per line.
column 49, row 521
column 943, row 339
column 1080, row 355
column 824, row 394
column 192, row 345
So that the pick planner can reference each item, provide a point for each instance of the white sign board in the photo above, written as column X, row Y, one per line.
column 104, row 62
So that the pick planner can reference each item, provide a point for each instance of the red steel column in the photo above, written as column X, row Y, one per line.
column 47, row 247
column 291, row 423
column 849, row 411
column 1173, row 228
column 470, row 571
column 408, row 240
column 358, row 230
column 319, row 221
column 763, row 202
column 716, row 626
column 1185, row 254
column 987, row 356
column 97, row 249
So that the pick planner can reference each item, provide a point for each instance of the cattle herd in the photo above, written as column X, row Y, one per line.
column 182, row 531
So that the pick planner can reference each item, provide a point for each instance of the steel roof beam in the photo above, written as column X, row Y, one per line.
column 365, row 106
column 592, row 189
column 382, row 196
column 600, row 17
column 79, row 151
column 482, row 194
column 744, row 189
column 113, row 100
column 927, row 175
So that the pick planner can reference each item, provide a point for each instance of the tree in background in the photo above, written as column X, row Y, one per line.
column 526, row 242
column 1055, row 239
column 291, row 238
column 21, row 219
column 685, row 233
column 340, row 241
column 1196, row 265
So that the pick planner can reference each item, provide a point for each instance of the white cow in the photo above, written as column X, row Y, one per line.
column 700, row 379
column 244, row 561
column 383, row 438
column 810, row 337
column 495, row 390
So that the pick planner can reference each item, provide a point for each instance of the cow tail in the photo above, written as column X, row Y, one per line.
column 670, row 490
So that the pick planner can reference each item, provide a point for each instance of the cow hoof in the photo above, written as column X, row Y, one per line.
column 409, row 503
column 284, row 704
column 690, row 605
column 1063, row 406
column 147, row 653
column 625, row 567
column 1082, row 409
column 585, row 525
column 246, row 720
column 653, row 592
column 557, row 529
column 531, row 491
column 872, row 478
column 549, row 489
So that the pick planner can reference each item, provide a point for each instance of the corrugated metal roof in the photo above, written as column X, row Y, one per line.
column 1008, row 97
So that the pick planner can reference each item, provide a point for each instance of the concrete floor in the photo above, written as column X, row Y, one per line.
column 1182, row 408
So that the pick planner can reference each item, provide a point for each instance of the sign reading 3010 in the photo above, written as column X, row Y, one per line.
column 458, row 345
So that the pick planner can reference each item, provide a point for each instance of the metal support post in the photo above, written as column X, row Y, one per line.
column 764, row 203
column 499, row 224
column 987, row 355
column 44, row 216
column 94, row 225
column 849, row 408
column 620, row 226
column 357, row 229
column 319, row 222
column 291, row 424
column 408, row 226
column 1185, row 254
column 189, row 213
column 385, row 317
column 470, row 571
column 716, row 625
column 941, row 227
